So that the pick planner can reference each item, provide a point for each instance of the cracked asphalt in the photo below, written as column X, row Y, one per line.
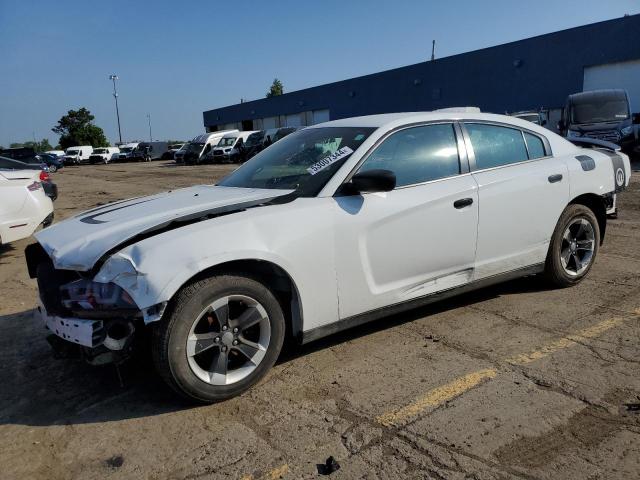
column 515, row 381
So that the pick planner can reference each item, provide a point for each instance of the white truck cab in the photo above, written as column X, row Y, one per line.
column 78, row 155
column 127, row 150
column 199, row 148
column 230, row 147
column 104, row 155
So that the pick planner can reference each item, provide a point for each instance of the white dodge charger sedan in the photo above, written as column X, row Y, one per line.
column 333, row 226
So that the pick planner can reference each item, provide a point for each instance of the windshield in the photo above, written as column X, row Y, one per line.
column 600, row 110
column 126, row 149
column 303, row 161
column 534, row 118
column 72, row 152
column 283, row 132
column 195, row 148
column 227, row 141
column 100, row 150
column 254, row 139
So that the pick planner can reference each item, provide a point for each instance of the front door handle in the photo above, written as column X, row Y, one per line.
column 555, row 178
column 463, row 202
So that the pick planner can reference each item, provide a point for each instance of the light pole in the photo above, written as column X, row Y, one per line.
column 149, row 118
column 114, row 77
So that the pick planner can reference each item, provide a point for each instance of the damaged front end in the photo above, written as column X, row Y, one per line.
column 96, row 320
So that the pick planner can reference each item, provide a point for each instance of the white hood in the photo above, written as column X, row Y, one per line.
column 79, row 242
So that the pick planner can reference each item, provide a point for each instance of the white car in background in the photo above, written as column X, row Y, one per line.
column 24, row 206
column 104, row 155
column 229, row 148
column 332, row 226
column 78, row 155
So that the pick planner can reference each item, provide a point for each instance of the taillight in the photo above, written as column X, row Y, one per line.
column 34, row 186
column 44, row 176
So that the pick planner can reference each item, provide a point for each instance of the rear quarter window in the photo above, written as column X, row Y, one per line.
column 535, row 146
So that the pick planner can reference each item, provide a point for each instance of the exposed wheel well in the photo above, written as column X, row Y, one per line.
column 274, row 278
column 596, row 204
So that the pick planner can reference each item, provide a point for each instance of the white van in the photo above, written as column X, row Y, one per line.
column 127, row 150
column 77, row 155
column 230, row 147
column 104, row 155
column 201, row 146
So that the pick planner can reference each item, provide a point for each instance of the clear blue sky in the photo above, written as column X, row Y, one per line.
column 177, row 59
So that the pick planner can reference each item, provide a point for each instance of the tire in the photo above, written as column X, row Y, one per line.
column 53, row 168
column 197, row 375
column 568, row 261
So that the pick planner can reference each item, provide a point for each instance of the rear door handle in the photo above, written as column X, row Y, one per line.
column 463, row 202
column 555, row 178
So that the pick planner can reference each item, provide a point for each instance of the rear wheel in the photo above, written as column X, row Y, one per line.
column 53, row 168
column 574, row 246
column 221, row 338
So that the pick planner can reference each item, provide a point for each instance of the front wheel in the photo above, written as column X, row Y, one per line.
column 222, row 336
column 574, row 246
column 53, row 168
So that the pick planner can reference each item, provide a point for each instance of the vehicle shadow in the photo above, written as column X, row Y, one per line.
column 39, row 390
column 4, row 250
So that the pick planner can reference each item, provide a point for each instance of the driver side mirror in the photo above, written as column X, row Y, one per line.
column 371, row 181
column 635, row 118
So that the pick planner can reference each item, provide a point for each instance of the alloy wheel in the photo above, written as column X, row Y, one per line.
column 578, row 245
column 228, row 340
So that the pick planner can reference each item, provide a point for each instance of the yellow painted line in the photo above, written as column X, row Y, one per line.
column 436, row 397
column 565, row 342
column 278, row 472
column 457, row 387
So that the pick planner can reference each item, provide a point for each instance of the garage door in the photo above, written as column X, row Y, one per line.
column 294, row 120
column 320, row 116
column 616, row 75
column 269, row 122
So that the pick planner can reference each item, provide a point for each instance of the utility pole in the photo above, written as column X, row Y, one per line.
column 114, row 77
column 433, row 50
column 149, row 119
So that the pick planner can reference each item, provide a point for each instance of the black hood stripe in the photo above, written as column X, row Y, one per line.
column 196, row 217
column 92, row 218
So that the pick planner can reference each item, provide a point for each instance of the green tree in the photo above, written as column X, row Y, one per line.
column 276, row 89
column 77, row 128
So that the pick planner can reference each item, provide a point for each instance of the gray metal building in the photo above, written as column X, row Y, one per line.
column 537, row 72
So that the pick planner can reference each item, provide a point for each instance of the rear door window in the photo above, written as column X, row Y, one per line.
column 496, row 146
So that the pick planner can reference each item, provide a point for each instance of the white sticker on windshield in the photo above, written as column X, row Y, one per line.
column 330, row 160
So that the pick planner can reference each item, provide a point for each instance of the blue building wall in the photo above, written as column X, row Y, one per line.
column 527, row 74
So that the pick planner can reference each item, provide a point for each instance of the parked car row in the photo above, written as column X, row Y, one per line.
column 229, row 146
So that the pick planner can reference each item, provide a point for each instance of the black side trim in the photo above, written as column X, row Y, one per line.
column 362, row 318
column 587, row 163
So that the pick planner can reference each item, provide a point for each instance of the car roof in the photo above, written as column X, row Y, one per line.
column 592, row 94
column 392, row 120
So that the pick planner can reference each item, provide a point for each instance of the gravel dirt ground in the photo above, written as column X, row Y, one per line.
column 514, row 381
